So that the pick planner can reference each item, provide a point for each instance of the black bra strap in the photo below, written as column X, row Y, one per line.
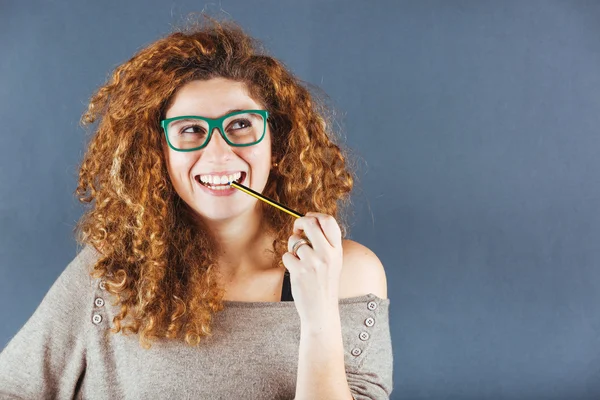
column 286, row 290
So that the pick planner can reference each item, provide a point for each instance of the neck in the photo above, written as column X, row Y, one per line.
column 243, row 241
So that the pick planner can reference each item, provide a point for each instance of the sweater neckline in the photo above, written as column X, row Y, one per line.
column 290, row 304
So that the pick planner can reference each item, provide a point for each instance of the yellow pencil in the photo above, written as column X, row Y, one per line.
column 265, row 199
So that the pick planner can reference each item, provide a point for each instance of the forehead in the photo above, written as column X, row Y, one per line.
column 211, row 98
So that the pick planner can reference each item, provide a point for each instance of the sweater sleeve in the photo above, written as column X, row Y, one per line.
column 369, row 358
column 46, row 359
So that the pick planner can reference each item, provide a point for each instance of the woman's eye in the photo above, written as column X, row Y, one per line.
column 195, row 129
column 240, row 122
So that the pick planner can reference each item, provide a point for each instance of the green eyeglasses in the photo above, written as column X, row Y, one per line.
column 239, row 129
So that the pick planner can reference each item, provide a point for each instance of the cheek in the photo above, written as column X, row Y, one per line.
column 255, row 154
column 259, row 157
column 179, row 165
column 260, row 154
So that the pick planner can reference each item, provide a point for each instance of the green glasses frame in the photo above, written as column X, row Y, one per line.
column 215, row 123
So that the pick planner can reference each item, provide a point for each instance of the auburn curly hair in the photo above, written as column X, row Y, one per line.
column 154, row 256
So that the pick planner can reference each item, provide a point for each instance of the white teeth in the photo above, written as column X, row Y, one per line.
column 225, row 187
column 219, row 180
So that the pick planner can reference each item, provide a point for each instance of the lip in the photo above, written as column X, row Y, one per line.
column 218, row 193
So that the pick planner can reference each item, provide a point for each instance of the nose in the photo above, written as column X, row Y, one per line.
column 217, row 146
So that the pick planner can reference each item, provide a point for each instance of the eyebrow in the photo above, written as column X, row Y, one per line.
column 235, row 110
column 227, row 112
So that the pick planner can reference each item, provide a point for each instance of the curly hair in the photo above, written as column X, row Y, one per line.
column 155, row 258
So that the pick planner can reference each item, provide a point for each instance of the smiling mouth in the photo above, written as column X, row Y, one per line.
column 212, row 186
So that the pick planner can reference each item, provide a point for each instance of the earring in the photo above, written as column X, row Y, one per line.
column 275, row 165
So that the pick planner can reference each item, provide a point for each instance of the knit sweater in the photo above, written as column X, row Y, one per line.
column 64, row 350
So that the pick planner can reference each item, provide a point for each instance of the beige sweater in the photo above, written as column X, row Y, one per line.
column 63, row 351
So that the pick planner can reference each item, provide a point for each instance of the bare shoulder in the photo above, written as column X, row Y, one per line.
column 362, row 272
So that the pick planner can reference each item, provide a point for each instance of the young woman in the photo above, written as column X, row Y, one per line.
column 212, row 294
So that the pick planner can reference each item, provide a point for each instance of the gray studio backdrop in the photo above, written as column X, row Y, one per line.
column 477, row 127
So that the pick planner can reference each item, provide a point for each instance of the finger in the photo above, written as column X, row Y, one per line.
column 293, row 239
column 330, row 227
column 312, row 229
column 301, row 253
column 291, row 263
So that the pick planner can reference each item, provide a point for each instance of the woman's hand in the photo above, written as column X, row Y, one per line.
column 315, row 272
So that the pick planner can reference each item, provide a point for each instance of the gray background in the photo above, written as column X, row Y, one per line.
column 476, row 123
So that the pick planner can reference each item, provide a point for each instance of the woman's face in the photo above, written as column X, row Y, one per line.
column 214, row 98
